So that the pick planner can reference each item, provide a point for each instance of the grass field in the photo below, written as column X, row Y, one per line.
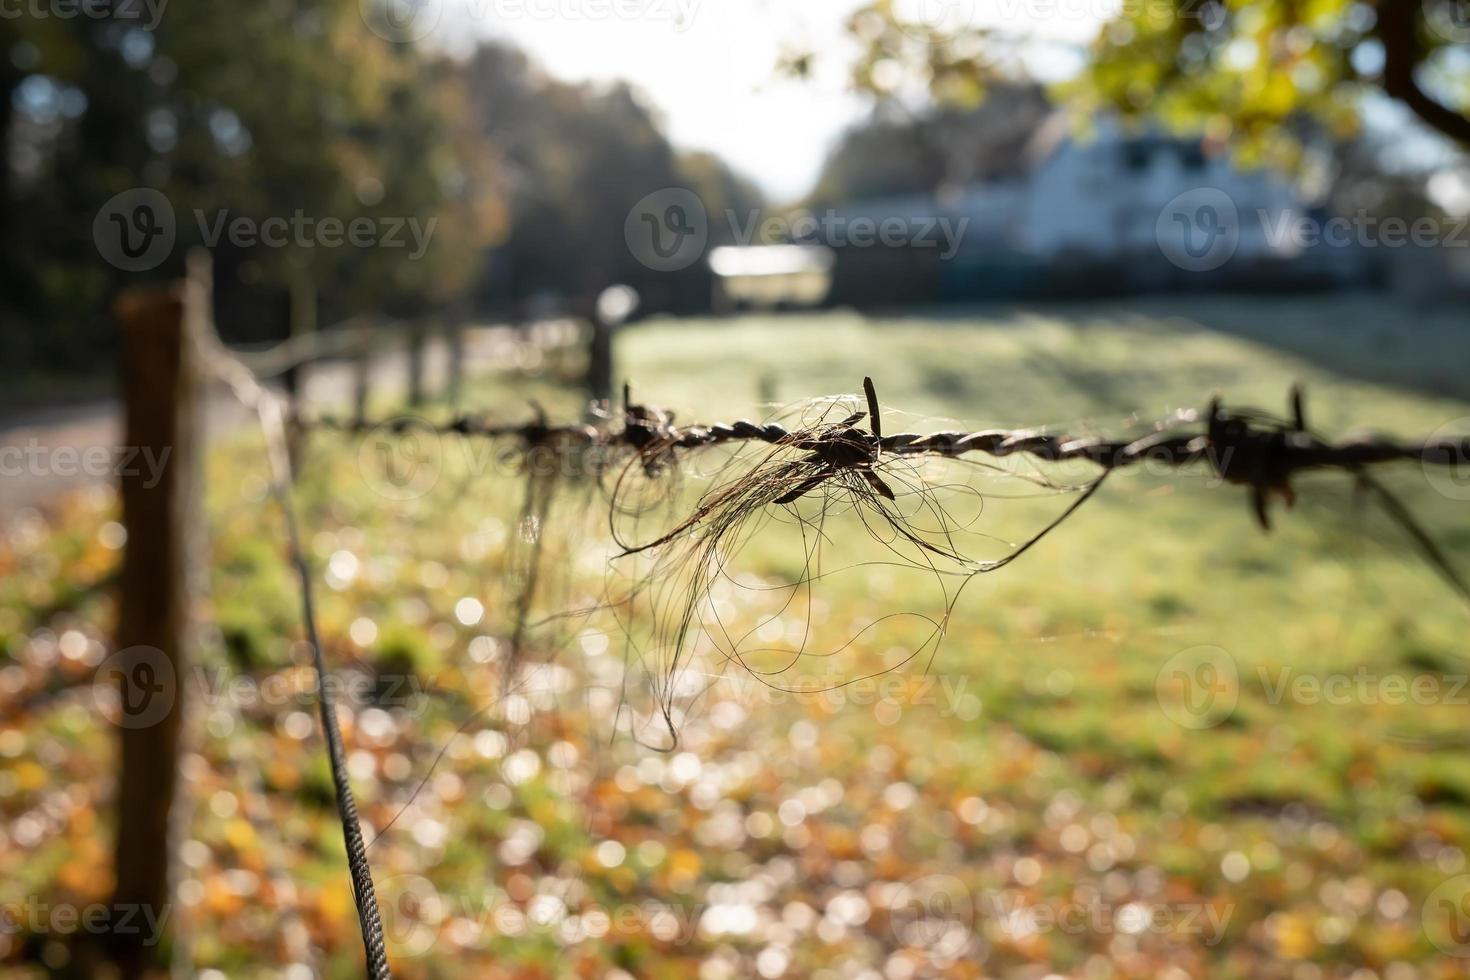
column 1045, row 794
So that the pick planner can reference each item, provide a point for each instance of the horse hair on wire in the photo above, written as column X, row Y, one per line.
column 836, row 460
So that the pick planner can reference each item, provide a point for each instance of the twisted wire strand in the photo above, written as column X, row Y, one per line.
column 1244, row 446
column 1248, row 453
column 244, row 385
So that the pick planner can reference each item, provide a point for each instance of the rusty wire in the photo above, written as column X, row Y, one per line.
column 825, row 457
column 1244, row 446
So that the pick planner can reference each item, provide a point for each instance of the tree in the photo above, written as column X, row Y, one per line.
column 1263, row 69
column 1263, row 73
column 259, row 112
column 896, row 153
column 576, row 160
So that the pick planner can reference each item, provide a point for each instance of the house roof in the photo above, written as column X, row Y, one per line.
column 1058, row 128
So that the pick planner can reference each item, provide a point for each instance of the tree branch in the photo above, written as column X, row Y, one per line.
column 1403, row 51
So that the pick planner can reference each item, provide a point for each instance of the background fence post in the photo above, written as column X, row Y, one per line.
column 612, row 308
column 160, row 385
column 455, row 368
column 362, row 370
column 303, row 323
column 416, row 344
column 600, row 361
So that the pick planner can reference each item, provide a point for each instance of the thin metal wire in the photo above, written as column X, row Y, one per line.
column 268, row 408
column 1244, row 446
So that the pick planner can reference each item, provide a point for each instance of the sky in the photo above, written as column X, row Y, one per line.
column 707, row 66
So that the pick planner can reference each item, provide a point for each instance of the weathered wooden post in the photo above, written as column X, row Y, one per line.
column 160, row 331
column 362, row 370
column 613, row 307
column 303, row 324
column 600, row 361
column 454, row 336
column 417, row 340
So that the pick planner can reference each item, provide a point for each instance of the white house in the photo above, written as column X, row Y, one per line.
column 1114, row 210
column 1115, row 195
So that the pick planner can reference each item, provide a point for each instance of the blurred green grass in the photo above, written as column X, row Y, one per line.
column 1043, row 701
column 1159, row 562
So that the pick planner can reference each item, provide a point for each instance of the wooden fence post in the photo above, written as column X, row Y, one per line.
column 600, row 361
column 362, row 370
column 416, row 344
column 160, row 505
column 612, row 308
column 454, row 337
column 303, row 323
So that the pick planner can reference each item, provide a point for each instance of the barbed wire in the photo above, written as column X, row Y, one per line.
column 1245, row 446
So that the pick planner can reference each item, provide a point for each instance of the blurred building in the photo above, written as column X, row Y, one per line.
column 1116, row 212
